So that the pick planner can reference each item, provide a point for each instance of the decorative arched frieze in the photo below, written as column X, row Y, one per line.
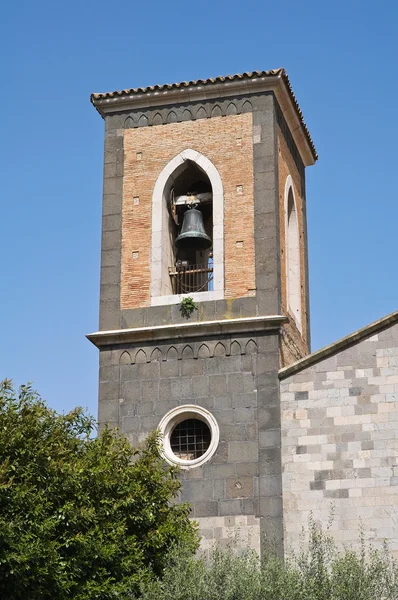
column 192, row 351
column 159, row 116
column 161, row 252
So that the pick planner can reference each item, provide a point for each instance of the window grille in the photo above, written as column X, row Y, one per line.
column 190, row 439
column 191, row 278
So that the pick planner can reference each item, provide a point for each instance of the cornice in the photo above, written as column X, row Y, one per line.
column 145, row 98
column 195, row 93
column 181, row 331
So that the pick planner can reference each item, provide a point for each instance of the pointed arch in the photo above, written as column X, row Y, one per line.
column 203, row 351
column 143, row 121
column 161, row 253
column 235, row 348
column 219, row 349
column 156, row 355
column 140, row 357
column 187, row 352
column 292, row 254
column 251, row 347
column 216, row 112
column 172, row 353
column 172, row 117
column 157, row 119
column 125, row 358
column 201, row 114
column 186, row 115
column 232, row 110
column 129, row 122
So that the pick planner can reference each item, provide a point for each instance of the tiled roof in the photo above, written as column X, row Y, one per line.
column 208, row 82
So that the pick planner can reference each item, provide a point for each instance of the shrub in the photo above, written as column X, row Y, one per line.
column 319, row 572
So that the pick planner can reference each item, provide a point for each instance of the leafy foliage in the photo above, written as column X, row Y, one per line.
column 187, row 306
column 319, row 572
column 80, row 517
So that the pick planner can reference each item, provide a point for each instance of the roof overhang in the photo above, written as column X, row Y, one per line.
column 275, row 81
column 247, row 325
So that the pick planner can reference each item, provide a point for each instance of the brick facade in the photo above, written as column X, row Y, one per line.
column 228, row 143
column 294, row 344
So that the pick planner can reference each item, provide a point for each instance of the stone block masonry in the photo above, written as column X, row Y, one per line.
column 236, row 380
column 340, row 442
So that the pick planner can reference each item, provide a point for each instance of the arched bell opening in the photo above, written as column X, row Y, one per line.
column 190, row 204
column 182, row 263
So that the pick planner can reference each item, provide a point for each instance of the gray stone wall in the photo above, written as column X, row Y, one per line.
column 340, row 443
column 240, row 532
column 236, row 380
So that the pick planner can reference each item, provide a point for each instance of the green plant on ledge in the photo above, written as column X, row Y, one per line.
column 187, row 306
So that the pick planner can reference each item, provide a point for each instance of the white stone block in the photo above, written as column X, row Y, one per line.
column 335, row 375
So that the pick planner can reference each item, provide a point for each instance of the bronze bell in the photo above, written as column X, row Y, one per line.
column 193, row 235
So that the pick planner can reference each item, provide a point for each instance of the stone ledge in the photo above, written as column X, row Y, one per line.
column 184, row 330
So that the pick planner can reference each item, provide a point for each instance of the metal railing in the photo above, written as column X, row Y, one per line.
column 190, row 278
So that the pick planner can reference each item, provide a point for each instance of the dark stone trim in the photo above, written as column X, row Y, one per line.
column 290, row 142
column 266, row 225
column 111, row 231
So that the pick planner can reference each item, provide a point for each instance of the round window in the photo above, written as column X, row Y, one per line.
column 190, row 436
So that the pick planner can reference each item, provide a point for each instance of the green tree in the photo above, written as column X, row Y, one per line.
column 81, row 517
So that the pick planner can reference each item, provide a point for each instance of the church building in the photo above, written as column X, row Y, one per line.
column 204, row 318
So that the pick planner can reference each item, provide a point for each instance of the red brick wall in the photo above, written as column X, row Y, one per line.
column 227, row 143
column 294, row 344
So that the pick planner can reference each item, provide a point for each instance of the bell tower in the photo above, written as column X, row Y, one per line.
column 204, row 284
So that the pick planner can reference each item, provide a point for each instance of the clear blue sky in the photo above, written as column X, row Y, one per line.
column 342, row 61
